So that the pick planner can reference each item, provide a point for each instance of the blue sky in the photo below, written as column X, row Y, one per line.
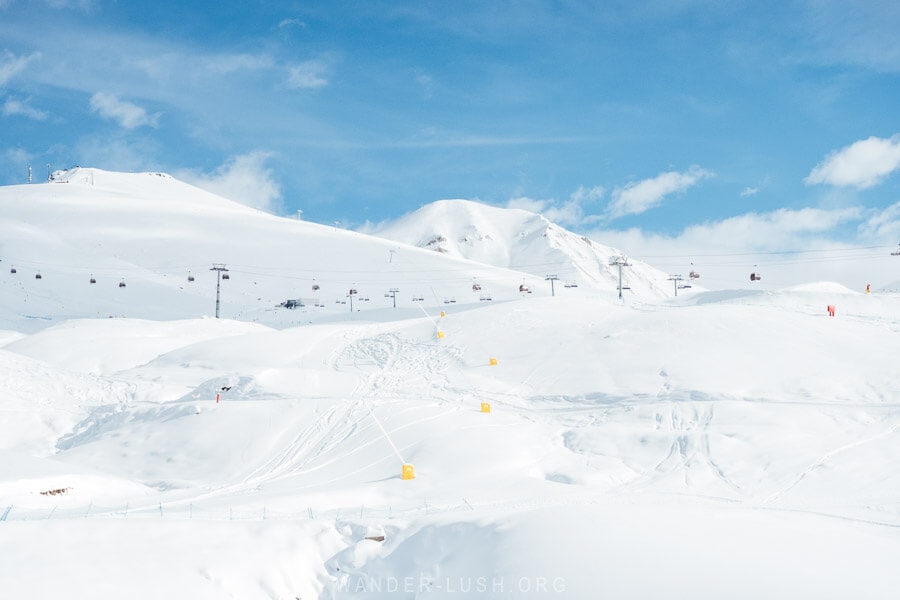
column 728, row 133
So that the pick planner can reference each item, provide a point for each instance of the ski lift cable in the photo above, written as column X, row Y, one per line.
column 766, row 252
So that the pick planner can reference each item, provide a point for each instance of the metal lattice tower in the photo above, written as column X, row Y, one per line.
column 219, row 269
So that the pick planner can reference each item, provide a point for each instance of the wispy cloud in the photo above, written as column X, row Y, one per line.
column 125, row 152
column 425, row 83
column 245, row 179
column 231, row 63
column 635, row 198
column 291, row 23
column 882, row 225
column 842, row 33
column 530, row 204
column 16, row 156
column 127, row 114
column 84, row 5
column 570, row 213
column 14, row 107
column 862, row 164
column 309, row 74
column 749, row 191
column 789, row 246
column 11, row 64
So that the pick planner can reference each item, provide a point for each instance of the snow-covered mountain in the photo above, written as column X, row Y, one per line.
column 731, row 443
column 94, row 243
column 524, row 241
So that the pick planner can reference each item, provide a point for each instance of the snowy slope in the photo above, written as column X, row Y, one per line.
column 142, row 236
column 524, row 241
column 731, row 443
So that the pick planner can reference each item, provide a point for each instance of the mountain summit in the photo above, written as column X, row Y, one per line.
column 92, row 243
column 524, row 241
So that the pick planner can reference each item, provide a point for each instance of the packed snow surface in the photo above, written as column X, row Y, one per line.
column 721, row 444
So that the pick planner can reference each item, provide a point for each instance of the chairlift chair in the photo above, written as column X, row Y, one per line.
column 896, row 252
column 754, row 276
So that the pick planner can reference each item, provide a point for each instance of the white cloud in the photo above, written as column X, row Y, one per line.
column 16, row 107
column 17, row 156
column 882, row 225
column 11, row 65
column 529, row 204
column 749, row 191
column 127, row 114
column 635, row 198
column 567, row 214
column 245, row 179
column 862, row 164
column 117, row 153
column 583, row 194
column 292, row 23
column 307, row 75
column 789, row 247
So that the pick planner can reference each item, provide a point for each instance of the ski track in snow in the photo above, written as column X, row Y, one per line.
column 389, row 369
column 394, row 369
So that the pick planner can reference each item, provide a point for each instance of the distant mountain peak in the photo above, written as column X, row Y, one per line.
column 518, row 239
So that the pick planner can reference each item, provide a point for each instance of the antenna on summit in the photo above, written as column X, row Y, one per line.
column 29, row 174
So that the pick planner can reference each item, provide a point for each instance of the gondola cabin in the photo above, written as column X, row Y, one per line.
column 315, row 287
column 190, row 277
column 121, row 284
column 93, row 280
column 755, row 276
column 226, row 276
column 12, row 270
column 37, row 276
column 694, row 275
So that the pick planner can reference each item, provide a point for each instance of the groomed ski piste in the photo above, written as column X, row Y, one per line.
column 721, row 444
